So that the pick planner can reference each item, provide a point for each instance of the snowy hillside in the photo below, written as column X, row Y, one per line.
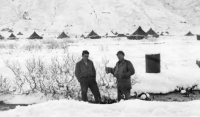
column 79, row 16
column 189, row 9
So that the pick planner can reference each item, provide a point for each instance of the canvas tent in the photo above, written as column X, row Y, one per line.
column 12, row 36
column 35, row 36
column 93, row 35
column 138, row 34
column 62, row 35
column 82, row 36
column 189, row 34
column 151, row 32
column 1, row 37
column 19, row 33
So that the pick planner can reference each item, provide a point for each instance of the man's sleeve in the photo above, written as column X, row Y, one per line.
column 77, row 72
column 131, row 70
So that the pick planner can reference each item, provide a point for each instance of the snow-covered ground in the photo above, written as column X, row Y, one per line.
column 178, row 68
column 131, row 108
column 178, row 58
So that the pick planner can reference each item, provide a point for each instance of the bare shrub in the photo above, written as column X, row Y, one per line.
column 56, row 44
column 5, row 85
column 32, row 46
column 19, row 80
column 56, row 78
column 107, row 83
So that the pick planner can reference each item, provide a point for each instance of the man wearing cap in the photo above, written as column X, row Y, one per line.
column 86, row 75
column 122, row 71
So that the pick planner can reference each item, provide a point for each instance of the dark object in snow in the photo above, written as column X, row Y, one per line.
column 93, row 35
column 121, row 35
column 35, row 36
column 63, row 35
column 198, row 63
column 161, row 34
column 1, row 37
column 82, row 36
column 189, row 34
column 105, row 100
column 138, row 34
column 19, row 33
column 140, row 31
column 152, row 33
column 153, row 63
column 12, row 37
column 4, row 106
column 7, row 29
column 198, row 37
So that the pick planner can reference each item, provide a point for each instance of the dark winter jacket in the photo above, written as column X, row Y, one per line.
column 85, row 71
column 123, row 71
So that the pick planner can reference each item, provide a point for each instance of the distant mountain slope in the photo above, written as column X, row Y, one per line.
column 189, row 9
column 77, row 16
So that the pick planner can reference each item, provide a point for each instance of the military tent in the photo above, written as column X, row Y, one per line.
column 93, row 35
column 138, row 34
column 151, row 32
column 82, row 36
column 1, row 37
column 189, row 34
column 35, row 36
column 12, row 37
column 62, row 35
column 19, row 33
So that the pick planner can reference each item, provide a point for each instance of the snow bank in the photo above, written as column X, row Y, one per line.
column 131, row 108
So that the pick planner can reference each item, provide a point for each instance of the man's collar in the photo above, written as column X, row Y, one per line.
column 83, row 60
column 121, row 61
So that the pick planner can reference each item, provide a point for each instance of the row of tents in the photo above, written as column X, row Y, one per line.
column 138, row 34
column 13, row 37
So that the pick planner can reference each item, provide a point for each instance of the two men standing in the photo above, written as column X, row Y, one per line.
column 86, row 75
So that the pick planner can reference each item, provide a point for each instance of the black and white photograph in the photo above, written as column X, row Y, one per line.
column 99, row 58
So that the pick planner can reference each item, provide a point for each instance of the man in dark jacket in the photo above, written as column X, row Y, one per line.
column 86, row 75
column 122, row 71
